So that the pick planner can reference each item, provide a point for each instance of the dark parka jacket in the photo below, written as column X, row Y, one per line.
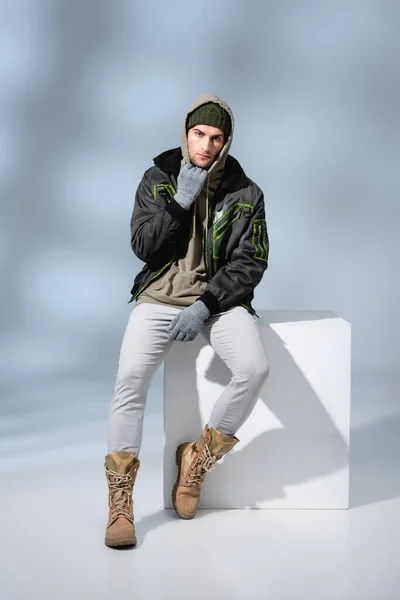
column 236, row 244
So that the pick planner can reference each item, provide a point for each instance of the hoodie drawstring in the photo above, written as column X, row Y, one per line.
column 194, row 212
column 194, row 219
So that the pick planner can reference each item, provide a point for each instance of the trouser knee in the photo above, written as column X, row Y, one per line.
column 258, row 373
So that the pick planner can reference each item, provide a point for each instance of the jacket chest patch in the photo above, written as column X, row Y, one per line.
column 218, row 214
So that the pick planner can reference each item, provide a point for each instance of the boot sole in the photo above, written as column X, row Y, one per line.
column 120, row 544
column 178, row 456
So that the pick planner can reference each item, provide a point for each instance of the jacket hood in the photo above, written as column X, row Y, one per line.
column 203, row 99
column 219, row 163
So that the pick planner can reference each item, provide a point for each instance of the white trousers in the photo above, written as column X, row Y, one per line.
column 234, row 335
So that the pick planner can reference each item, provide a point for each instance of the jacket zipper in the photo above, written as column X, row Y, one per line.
column 205, row 248
column 205, row 245
column 250, row 310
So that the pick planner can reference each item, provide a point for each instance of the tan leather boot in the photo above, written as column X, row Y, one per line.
column 121, row 469
column 194, row 460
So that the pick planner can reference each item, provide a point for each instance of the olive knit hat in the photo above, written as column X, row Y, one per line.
column 211, row 114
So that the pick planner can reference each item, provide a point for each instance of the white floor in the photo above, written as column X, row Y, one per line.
column 54, row 509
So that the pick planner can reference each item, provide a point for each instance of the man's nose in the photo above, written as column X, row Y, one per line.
column 207, row 145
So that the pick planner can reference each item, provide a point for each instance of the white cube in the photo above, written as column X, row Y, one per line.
column 294, row 447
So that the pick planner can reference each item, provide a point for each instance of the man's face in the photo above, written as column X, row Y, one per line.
column 204, row 140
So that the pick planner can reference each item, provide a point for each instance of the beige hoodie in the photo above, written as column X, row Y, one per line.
column 186, row 279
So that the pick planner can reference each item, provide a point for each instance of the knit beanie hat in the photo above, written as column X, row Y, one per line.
column 211, row 114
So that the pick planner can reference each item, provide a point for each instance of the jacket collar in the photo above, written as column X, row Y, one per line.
column 233, row 178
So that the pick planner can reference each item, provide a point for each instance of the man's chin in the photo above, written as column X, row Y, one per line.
column 203, row 164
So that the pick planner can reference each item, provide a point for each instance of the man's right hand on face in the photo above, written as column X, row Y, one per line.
column 190, row 183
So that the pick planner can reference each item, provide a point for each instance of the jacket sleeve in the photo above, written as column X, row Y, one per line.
column 155, row 227
column 245, row 268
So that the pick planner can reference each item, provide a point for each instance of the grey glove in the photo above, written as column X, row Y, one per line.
column 187, row 324
column 190, row 182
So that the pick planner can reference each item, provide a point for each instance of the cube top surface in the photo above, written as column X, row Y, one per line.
column 286, row 316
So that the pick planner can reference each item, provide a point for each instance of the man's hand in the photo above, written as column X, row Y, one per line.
column 187, row 324
column 190, row 183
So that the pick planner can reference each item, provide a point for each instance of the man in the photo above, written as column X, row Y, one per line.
column 199, row 226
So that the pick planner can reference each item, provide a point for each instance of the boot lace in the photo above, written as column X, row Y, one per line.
column 119, row 497
column 206, row 463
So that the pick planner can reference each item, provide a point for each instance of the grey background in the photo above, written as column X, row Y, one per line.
column 92, row 91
